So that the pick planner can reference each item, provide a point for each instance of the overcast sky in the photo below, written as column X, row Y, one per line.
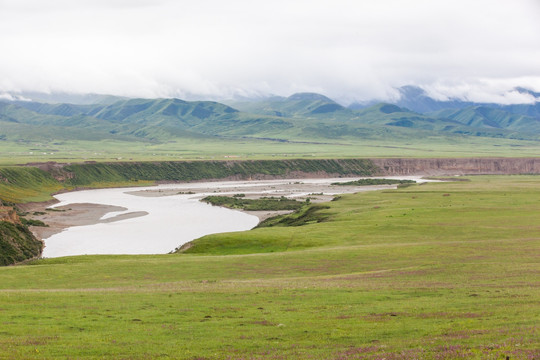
column 349, row 50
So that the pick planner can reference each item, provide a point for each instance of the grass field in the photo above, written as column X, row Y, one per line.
column 435, row 271
column 223, row 148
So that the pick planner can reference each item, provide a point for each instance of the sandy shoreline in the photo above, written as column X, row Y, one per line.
column 64, row 217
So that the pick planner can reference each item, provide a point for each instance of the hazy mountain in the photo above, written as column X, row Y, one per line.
column 69, row 98
column 302, row 116
column 528, row 91
column 483, row 116
column 148, row 119
column 416, row 99
column 300, row 105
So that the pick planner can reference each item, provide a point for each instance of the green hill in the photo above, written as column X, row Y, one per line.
column 300, row 105
column 482, row 116
column 139, row 127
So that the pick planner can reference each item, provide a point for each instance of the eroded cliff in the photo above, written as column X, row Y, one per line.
column 461, row 166
column 17, row 243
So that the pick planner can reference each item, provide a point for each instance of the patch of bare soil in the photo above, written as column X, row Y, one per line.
column 63, row 217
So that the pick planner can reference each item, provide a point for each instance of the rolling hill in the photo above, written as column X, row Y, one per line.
column 483, row 116
column 299, row 117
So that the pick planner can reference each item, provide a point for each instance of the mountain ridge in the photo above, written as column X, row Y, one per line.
column 301, row 116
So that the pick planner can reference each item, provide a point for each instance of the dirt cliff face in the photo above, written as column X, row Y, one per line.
column 458, row 166
column 9, row 214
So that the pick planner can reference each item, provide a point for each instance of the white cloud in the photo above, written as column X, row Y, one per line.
column 12, row 97
column 346, row 49
column 501, row 91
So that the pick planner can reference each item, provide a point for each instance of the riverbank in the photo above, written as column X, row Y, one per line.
column 61, row 218
column 37, row 181
column 82, row 211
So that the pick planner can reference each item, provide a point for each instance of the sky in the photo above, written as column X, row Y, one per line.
column 349, row 50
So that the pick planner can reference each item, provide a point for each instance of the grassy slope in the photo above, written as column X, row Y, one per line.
column 412, row 273
column 17, row 243
column 484, row 116
column 84, row 174
column 25, row 184
column 425, row 213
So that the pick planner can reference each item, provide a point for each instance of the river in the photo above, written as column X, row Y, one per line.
column 170, row 215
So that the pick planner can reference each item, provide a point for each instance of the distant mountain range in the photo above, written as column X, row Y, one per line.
column 300, row 117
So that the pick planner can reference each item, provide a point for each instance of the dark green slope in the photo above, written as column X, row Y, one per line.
column 532, row 110
column 417, row 99
column 152, row 110
column 482, row 116
column 300, row 117
column 17, row 243
column 148, row 119
column 392, row 115
column 63, row 109
column 174, row 116
column 300, row 105
column 388, row 120
column 319, row 117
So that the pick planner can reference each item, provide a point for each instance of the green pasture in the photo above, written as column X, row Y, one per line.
column 220, row 148
column 434, row 271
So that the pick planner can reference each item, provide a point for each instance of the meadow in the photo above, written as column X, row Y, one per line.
column 223, row 148
column 434, row 271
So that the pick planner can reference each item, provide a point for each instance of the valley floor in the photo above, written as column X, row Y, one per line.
column 434, row 271
column 79, row 214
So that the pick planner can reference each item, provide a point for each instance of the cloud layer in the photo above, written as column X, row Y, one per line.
column 347, row 49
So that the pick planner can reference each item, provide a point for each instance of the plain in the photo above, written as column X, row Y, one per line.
column 442, row 270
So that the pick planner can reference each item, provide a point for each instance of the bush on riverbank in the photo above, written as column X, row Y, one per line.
column 364, row 182
column 265, row 203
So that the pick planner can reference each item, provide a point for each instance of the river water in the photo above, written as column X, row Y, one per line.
column 170, row 220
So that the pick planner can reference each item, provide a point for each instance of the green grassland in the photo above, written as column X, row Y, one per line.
column 303, row 125
column 434, row 271
column 371, row 181
column 233, row 148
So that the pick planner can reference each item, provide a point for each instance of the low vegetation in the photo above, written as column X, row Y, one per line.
column 33, row 222
column 17, row 243
column 264, row 203
column 303, row 216
column 439, row 271
column 371, row 181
